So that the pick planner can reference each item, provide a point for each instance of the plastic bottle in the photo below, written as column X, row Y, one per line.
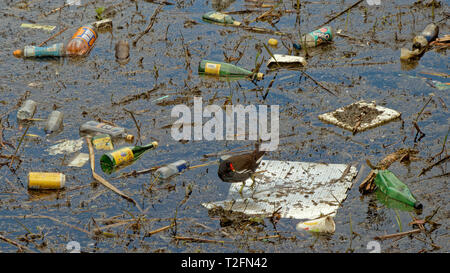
column 317, row 37
column 94, row 128
column 430, row 33
column 54, row 122
column 122, row 52
column 27, row 110
column 390, row 185
column 171, row 169
column 217, row 17
column 82, row 41
column 54, row 50
column 110, row 161
column 224, row 69
column 46, row 180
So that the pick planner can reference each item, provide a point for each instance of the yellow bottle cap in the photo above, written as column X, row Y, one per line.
column 129, row 137
column 259, row 76
column 155, row 144
column 236, row 23
column 18, row 53
column 273, row 42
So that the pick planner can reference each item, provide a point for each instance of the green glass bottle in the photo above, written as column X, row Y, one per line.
column 224, row 69
column 110, row 161
column 217, row 17
column 390, row 185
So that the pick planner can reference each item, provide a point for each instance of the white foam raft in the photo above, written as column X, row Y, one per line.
column 385, row 116
column 302, row 190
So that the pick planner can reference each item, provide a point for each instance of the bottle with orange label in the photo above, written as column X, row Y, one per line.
column 225, row 69
column 82, row 41
column 110, row 161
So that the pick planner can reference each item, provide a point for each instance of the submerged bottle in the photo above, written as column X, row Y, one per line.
column 315, row 38
column 54, row 50
column 430, row 33
column 122, row 52
column 27, row 110
column 94, row 128
column 82, row 41
column 390, row 185
column 171, row 169
column 110, row 161
column 224, row 69
column 54, row 122
column 217, row 17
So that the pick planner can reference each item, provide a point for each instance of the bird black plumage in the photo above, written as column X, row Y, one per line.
column 239, row 168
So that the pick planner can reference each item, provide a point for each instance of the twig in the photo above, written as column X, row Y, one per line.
column 150, row 25
column 18, row 146
column 316, row 82
column 198, row 240
column 424, row 170
column 14, row 243
column 340, row 13
column 102, row 180
column 383, row 237
column 202, row 165
column 55, row 10
column 135, row 122
column 150, row 233
column 53, row 36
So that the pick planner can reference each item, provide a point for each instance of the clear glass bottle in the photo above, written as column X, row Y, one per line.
column 93, row 128
column 430, row 33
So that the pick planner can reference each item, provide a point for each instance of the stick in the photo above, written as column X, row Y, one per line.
column 18, row 146
column 14, row 243
column 202, row 165
column 340, row 13
column 150, row 25
column 319, row 84
column 397, row 234
column 150, row 233
column 198, row 240
column 53, row 36
column 102, row 180
column 135, row 122
column 424, row 170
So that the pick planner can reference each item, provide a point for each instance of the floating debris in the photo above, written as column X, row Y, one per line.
column 36, row 26
column 360, row 116
column 66, row 147
column 303, row 190
column 78, row 160
column 286, row 59
column 321, row 225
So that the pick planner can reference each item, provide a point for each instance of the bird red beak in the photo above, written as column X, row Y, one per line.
column 231, row 167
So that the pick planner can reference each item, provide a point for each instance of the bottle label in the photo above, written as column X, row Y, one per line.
column 86, row 34
column 103, row 143
column 123, row 155
column 35, row 51
column 213, row 69
column 181, row 167
column 39, row 180
column 322, row 35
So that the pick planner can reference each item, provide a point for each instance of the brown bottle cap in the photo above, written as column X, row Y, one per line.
column 18, row 53
column 129, row 137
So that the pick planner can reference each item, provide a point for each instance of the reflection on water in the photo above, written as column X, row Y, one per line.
column 219, row 5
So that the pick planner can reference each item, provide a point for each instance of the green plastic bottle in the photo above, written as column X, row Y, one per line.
column 224, row 69
column 390, row 185
column 110, row 161
column 217, row 17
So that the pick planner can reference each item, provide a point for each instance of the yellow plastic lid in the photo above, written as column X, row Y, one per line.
column 129, row 137
column 259, row 76
column 273, row 42
column 155, row 144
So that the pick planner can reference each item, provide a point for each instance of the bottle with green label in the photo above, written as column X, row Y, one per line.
column 217, row 17
column 110, row 161
column 315, row 38
column 225, row 69
column 390, row 185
